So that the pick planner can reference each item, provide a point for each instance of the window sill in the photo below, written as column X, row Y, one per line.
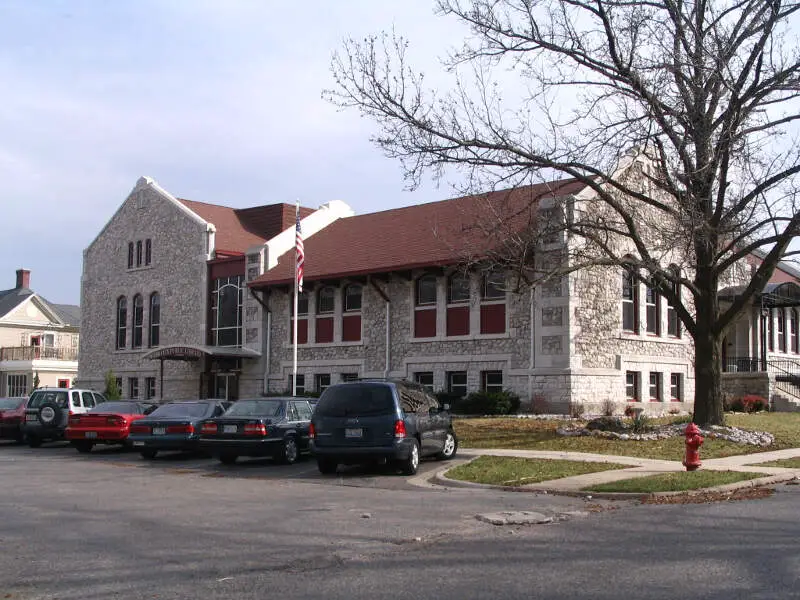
column 626, row 335
column 460, row 338
column 136, row 269
column 324, row 344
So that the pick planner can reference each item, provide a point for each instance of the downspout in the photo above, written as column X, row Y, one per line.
column 388, row 357
column 268, row 340
column 532, row 363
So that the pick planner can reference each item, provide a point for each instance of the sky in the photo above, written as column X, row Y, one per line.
column 217, row 101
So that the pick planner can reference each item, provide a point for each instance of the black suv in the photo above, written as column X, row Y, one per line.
column 375, row 421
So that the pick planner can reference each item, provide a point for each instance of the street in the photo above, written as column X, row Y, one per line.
column 110, row 525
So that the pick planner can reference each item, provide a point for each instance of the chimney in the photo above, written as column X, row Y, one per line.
column 23, row 278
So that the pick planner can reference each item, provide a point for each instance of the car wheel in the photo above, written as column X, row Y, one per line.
column 450, row 447
column 148, row 453
column 83, row 447
column 327, row 466
column 409, row 465
column 34, row 442
column 288, row 455
column 228, row 458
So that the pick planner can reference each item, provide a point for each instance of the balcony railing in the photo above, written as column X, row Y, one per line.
column 38, row 353
column 749, row 364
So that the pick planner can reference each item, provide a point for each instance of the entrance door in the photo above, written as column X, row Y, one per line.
column 226, row 386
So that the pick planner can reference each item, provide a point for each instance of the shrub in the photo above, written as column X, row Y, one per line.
column 112, row 391
column 640, row 422
column 631, row 410
column 609, row 408
column 484, row 403
column 576, row 410
column 539, row 405
column 748, row 403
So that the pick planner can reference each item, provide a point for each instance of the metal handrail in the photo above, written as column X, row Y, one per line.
column 38, row 353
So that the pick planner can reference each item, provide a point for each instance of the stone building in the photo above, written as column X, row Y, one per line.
column 37, row 339
column 184, row 299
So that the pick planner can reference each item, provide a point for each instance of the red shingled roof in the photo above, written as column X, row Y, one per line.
column 437, row 233
column 240, row 228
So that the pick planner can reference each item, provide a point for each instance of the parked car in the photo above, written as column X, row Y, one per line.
column 380, row 421
column 48, row 411
column 174, row 426
column 12, row 416
column 108, row 423
column 276, row 427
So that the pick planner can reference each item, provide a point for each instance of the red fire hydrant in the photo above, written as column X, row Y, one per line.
column 693, row 442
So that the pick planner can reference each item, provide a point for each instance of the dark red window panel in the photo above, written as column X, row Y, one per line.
column 425, row 323
column 324, row 330
column 302, row 331
column 351, row 328
column 493, row 318
column 458, row 320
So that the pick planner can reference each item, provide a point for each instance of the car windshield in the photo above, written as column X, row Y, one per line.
column 256, row 408
column 59, row 398
column 182, row 409
column 125, row 408
column 356, row 400
column 10, row 403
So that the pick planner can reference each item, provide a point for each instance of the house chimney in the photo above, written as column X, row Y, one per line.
column 23, row 278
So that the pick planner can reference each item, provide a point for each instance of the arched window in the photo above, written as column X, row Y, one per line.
column 122, row 322
column 673, row 324
column 155, row 319
column 226, row 310
column 652, row 303
column 426, row 290
column 138, row 319
column 630, row 301
column 352, row 297
column 457, row 288
column 302, row 304
column 494, row 284
column 325, row 300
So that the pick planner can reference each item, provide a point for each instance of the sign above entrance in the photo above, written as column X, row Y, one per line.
column 191, row 352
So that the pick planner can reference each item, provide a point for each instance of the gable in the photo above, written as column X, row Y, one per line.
column 31, row 311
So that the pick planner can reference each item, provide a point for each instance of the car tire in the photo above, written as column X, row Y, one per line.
column 408, row 466
column 20, row 438
column 327, row 466
column 83, row 447
column 450, row 447
column 34, row 442
column 148, row 453
column 228, row 458
column 289, row 451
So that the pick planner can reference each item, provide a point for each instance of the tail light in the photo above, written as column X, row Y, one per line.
column 208, row 428
column 399, row 429
column 140, row 429
column 114, row 421
column 74, row 419
column 312, row 431
column 255, row 429
column 184, row 428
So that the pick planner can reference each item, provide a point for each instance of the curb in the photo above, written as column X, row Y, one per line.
column 441, row 479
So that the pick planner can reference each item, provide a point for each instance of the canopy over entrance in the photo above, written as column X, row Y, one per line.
column 191, row 352
column 774, row 295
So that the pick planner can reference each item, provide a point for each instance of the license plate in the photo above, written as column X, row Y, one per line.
column 90, row 434
column 159, row 430
column 230, row 429
column 137, row 444
column 353, row 433
column 30, row 417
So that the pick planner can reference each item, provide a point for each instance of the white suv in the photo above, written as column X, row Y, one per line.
column 49, row 409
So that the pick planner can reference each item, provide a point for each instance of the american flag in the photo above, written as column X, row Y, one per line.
column 300, row 256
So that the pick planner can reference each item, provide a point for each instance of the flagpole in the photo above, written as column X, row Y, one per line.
column 294, row 325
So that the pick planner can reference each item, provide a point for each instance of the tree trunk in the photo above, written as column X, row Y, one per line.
column 708, row 379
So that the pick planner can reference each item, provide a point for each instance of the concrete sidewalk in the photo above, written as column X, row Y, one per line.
column 639, row 467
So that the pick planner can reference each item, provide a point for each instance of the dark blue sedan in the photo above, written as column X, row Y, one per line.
column 174, row 426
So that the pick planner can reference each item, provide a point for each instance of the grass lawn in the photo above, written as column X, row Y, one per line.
column 786, row 463
column 501, row 470
column 674, row 482
column 540, row 434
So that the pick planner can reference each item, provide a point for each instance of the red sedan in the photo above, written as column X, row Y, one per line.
column 12, row 416
column 106, row 423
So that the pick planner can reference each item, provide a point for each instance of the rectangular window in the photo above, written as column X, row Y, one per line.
column 351, row 328
column 17, row 385
column 493, row 318
column 457, row 289
column 630, row 303
column 632, row 386
column 492, row 381
column 130, row 255
column 119, row 384
column 655, row 387
column 493, row 286
column 133, row 387
column 322, row 381
column 349, row 376
column 139, row 253
column 457, row 382
column 458, row 320
column 302, row 331
column 150, row 387
column 781, row 330
column 673, row 324
column 426, row 290
column 301, row 384
column 425, row 323
column 424, row 378
column 324, row 334
column 653, row 308
column 793, row 339
column 676, row 387
column 148, row 251
column 63, row 383
column 771, row 330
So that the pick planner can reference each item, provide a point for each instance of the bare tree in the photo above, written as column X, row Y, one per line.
column 705, row 92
